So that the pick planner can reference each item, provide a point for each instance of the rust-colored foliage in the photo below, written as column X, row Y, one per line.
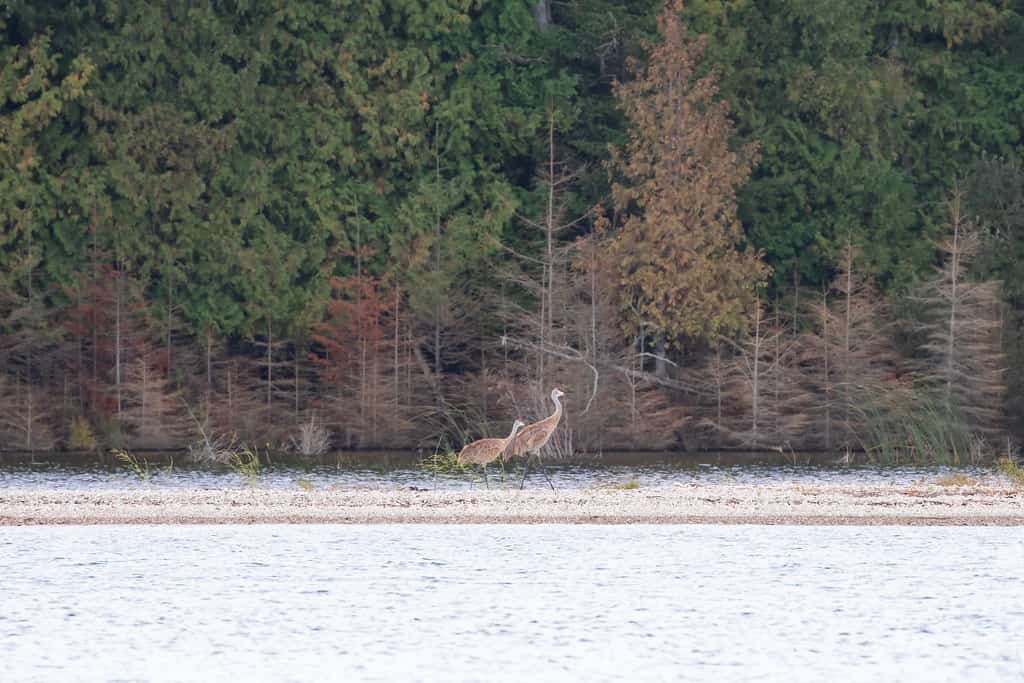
column 364, row 354
column 353, row 325
column 681, row 269
column 90, row 322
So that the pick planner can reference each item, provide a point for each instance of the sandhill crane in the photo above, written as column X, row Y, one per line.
column 533, row 437
column 484, row 451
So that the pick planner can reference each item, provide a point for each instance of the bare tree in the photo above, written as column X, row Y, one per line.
column 849, row 355
column 25, row 415
column 760, row 382
column 962, row 328
column 153, row 412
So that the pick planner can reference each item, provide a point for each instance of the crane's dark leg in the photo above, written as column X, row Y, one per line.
column 487, row 479
column 544, row 469
column 526, row 471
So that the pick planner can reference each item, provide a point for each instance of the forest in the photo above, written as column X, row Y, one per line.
column 321, row 224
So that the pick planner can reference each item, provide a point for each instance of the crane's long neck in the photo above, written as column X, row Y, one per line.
column 515, row 428
column 558, row 406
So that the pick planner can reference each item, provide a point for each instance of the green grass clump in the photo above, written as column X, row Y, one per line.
column 957, row 479
column 80, row 435
column 305, row 484
column 1011, row 470
column 442, row 462
column 628, row 485
column 915, row 425
column 247, row 463
column 140, row 469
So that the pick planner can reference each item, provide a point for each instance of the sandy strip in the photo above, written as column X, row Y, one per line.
column 988, row 504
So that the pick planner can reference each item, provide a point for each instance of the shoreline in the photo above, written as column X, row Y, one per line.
column 988, row 504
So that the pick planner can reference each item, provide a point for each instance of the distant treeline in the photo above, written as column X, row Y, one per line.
column 314, row 224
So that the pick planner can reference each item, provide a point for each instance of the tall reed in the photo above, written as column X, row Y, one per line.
column 139, row 468
column 916, row 426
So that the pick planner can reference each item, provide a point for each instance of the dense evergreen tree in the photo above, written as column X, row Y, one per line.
column 682, row 272
column 865, row 111
column 216, row 169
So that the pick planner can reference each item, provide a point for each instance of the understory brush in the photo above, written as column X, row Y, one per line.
column 916, row 427
column 1009, row 468
column 958, row 479
column 312, row 439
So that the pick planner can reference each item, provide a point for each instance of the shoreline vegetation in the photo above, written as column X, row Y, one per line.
column 403, row 224
column 253, row 460
column 979, row 502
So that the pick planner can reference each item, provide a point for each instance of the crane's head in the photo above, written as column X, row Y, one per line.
column 557, row 393
column 518, row 423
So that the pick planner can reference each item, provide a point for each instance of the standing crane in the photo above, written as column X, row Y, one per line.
column 483, row 451
column 533, row 437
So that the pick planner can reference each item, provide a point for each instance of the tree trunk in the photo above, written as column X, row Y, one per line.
column 756, row 376
column 437, row 250
column 777, row 373
column 143, row 422
column 170, row 305
column 542, row 13
column 374, row 401
column 953, row 301
column 718, row 395
column 29, row 413
column 117, row 340
column 847, row 400
column 431, row 377
column 270, row 369
column 396, row 374
column 95, row 312
column 543, row 317
column 209, row 365
column 231, row 396
column 28, row 358
column 796, row 297
column 828, row 385
column 361, row 324
column 80, row 357
column 298, row 351
column 660, row 361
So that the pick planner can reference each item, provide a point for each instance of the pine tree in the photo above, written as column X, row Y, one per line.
column 682, row 271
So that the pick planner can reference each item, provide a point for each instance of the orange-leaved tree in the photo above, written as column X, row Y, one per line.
column 683, row 273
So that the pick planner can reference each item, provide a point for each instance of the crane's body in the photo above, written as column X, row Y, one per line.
column 484, row 451
column 534, row 437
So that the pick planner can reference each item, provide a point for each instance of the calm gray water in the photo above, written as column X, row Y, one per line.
column 565, row 476
column 511, row 603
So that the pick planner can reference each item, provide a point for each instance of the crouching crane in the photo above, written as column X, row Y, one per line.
column 484, row 451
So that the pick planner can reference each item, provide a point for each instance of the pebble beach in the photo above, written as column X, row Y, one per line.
column 993, row 503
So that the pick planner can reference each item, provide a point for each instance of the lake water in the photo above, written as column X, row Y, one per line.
column 405, row 475
column 511, row 603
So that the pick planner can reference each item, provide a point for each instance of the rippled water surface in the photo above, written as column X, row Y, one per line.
column 277, row 603
column 163, row 475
